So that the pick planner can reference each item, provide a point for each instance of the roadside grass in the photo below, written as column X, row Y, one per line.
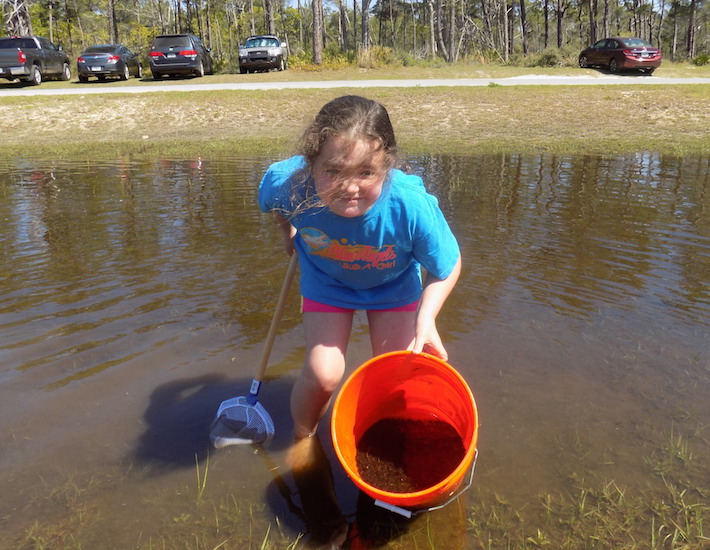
column 599, row 120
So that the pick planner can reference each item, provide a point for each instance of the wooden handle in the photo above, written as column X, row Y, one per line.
column 278, row 313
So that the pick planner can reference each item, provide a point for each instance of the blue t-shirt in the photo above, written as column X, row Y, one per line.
column 370, row 261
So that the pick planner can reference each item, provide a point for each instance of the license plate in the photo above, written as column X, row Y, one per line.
column 96, row 69
column 171, row 55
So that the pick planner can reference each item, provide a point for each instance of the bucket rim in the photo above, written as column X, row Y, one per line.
column 410, row 497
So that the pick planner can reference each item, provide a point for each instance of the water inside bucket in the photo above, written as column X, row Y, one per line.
column 402, row 455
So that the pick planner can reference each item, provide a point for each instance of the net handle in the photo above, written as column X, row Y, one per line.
column 278, row 313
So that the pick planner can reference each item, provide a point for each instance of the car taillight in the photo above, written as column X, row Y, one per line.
column 188, row 52
column 156, row 54
column 80, row 59
column 21, row 57
column 112, row 58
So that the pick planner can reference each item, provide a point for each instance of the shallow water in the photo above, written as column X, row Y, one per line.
column 136, row 294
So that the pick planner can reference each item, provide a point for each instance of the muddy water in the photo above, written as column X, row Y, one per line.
column 135, row 296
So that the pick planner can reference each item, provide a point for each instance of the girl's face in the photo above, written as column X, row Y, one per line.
column 349, row 175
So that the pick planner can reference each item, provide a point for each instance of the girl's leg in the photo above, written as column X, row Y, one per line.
column 391, row 330
column 327, row 336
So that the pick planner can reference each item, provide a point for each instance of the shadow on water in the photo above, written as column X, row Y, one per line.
column 180, row 413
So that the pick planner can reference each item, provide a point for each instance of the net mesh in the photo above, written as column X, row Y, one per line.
column 239, row 423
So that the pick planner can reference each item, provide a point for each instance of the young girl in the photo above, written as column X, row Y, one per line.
column 362, row 230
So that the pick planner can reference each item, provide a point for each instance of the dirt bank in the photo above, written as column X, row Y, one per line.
column 557, row 119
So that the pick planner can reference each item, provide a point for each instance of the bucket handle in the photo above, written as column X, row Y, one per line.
column 409, row 513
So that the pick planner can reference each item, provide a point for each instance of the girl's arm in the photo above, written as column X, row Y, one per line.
column 289, row 232
column 435, row 293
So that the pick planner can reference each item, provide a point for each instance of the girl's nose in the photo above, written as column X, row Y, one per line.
column 350, row 186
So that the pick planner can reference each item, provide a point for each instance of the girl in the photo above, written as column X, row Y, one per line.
column 361, row 229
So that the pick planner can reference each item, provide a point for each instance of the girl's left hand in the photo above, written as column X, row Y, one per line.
column 427, row 339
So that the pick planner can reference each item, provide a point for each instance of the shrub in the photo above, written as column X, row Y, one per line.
column 702, row 59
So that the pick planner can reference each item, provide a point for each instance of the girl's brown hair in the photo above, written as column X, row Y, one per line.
column 354, row 117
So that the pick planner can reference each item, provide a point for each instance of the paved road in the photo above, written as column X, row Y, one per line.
column 530, row 80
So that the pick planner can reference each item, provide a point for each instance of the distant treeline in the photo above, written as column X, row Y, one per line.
column 406, row 31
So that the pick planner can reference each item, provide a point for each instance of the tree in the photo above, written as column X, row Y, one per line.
column 317, row 7
column 17, row 17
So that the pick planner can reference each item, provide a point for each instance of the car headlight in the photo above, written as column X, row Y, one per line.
column 242, row 53
column 273, row 51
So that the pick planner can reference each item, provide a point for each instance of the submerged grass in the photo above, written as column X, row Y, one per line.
column 670, row 514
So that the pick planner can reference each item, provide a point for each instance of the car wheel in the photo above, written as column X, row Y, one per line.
column 102, row 77
column 200, row 70
column 66, row 72
column 613, row 66
column 583, row 61
column 650, row 70
column 35, row 78
column 83, row 78
column 139, row 74
column 157, row 76
column 242, row 70
column 125, row 74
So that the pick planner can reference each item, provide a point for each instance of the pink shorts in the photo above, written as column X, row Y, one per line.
column 308, row 305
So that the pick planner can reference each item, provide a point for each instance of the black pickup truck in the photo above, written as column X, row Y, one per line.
column 32, row 59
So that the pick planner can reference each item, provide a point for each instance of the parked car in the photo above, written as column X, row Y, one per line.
column 105, row 60
column 32, row 59
column 174, row 54
column 620, row 53
column 262, row 53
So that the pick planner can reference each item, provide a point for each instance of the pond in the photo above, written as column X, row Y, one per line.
column 136, row 295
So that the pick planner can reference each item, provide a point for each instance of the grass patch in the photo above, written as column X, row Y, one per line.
column 495, row 119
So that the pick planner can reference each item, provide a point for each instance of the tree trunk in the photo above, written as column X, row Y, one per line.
column 432, row 31
column 592, row 4
column 365, row 16
column 452, row 31
column 506, row 35
column 112, row 26
column 524, row 26
column 317, row 9
column 269, row 13
column 546, row 15
column 690, row 42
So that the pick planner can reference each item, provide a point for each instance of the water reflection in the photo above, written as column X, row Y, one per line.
column 135, row 296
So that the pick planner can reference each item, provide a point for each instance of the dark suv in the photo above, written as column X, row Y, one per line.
column 179, row 54
column 262, row 53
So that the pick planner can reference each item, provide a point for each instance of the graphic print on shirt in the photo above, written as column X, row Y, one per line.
column 354, row 257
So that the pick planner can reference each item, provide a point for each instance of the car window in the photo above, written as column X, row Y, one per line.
column 99, row 49
column 262, row 43
column 165, row 42
column 46, row 43
column 637, row 43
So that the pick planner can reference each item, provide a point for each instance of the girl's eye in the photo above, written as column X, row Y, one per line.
column 332, row 172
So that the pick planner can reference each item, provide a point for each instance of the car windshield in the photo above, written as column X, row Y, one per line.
column 636, row 43
column 12, row 43
column 172, row 42
column 100, row 49
column 262, row 43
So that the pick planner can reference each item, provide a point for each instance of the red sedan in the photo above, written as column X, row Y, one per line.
column 621, row 53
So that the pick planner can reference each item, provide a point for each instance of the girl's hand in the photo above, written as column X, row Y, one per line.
column 288, row 231
column 427, row 339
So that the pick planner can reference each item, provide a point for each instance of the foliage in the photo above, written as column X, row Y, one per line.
column 702, row 59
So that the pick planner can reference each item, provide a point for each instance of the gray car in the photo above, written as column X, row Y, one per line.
column 179, row 54
column 263, row 53
column 105, row 60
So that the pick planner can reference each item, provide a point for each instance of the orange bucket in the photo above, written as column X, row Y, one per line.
column 400, row 387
